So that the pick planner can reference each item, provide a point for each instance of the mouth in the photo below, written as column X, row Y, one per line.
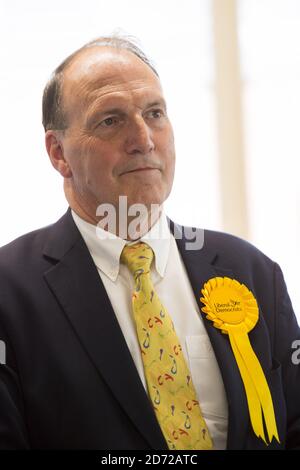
column 137, row 170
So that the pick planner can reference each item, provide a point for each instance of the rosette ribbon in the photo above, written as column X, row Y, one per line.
column 233, row 309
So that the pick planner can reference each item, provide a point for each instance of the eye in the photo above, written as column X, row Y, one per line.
column 155, row 114
column 109, row 122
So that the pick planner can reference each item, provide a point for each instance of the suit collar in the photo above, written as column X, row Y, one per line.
column 61, row 237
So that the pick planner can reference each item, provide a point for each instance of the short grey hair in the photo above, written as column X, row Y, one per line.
column 54, row 116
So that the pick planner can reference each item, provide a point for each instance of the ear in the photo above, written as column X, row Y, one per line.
column 55, row 151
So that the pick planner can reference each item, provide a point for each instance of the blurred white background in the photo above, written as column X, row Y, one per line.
column 180, row 37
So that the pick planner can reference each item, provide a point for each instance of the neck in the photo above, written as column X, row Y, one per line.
column 117, row 220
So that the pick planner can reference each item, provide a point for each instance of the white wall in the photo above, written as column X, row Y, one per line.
column 270, row 55
column 37, row 35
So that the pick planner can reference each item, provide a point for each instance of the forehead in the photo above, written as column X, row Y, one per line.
column 107, row 73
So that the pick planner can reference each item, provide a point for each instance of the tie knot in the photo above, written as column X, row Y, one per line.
column 137, row 257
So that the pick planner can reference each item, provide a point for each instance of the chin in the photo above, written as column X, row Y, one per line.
column 146, row 199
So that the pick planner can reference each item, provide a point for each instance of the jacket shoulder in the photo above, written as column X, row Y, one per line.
column 24, row 246
column 28, row 249
column 234, row 250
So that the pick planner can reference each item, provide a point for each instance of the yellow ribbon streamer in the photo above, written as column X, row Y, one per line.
column 233, row 309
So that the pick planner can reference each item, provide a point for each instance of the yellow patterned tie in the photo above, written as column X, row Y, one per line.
column 169, row 381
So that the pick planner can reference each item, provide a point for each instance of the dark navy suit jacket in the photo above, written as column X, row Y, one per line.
column 69, row 381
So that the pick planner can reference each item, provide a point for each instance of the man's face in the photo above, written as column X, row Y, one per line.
column 119, row 140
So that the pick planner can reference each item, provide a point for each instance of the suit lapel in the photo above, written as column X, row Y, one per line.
column 94, row 322
column 200, row 266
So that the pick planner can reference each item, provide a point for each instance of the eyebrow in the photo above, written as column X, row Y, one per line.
column 160, row 102
column 117, row 110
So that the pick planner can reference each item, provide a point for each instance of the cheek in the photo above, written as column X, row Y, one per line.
column 167, row 150
column 98, row 160
column 165, row 139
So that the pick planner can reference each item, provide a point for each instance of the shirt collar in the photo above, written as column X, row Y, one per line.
column 106, row 248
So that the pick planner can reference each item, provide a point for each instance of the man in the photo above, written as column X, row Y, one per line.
column 75, row 374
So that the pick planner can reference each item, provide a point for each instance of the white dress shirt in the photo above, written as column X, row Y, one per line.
column 174, row 290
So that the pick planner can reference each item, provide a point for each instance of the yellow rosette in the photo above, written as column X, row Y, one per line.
column 233, row 309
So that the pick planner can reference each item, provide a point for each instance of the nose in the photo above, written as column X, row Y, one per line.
column 139, row 137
